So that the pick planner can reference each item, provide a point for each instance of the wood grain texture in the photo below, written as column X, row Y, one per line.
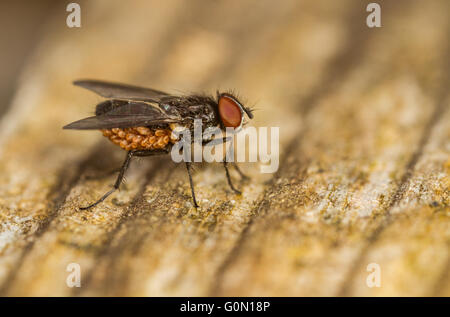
column 364, row 145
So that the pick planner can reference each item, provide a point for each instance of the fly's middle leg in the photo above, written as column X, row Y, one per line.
column 103, row 175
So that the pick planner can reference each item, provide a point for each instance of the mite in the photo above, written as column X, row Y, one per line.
column 141, row 120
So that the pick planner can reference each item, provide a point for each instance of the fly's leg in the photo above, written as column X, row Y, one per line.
column 119, row 180
column 166, row 151
column 225, row 165
column 188, row 167
column 215, row 141
column 152, row 152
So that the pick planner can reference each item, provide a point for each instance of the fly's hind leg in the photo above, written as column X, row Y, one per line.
column 243, row 176
column 124, row 167
column 119, row 180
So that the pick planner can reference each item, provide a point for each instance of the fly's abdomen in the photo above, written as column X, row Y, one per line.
column 139, row 138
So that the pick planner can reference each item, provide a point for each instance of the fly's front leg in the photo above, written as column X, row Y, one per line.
column 119, row 180
column 188, row 167
column 103, row 175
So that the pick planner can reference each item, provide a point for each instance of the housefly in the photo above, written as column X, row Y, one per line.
column 141, row 121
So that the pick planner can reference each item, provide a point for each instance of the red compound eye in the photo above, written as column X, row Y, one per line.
column 230, row 112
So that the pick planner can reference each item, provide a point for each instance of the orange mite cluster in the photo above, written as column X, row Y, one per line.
column 139, row 138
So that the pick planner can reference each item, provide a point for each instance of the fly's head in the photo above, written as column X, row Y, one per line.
column 231, row 111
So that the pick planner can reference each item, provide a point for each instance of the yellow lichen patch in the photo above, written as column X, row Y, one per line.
column 139, row 138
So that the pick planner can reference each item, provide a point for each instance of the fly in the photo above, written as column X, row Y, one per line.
column 141, row 120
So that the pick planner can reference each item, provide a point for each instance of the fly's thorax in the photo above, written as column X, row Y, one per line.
column 139, row 138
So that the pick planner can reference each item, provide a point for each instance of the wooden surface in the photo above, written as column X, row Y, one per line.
column 364, row 171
